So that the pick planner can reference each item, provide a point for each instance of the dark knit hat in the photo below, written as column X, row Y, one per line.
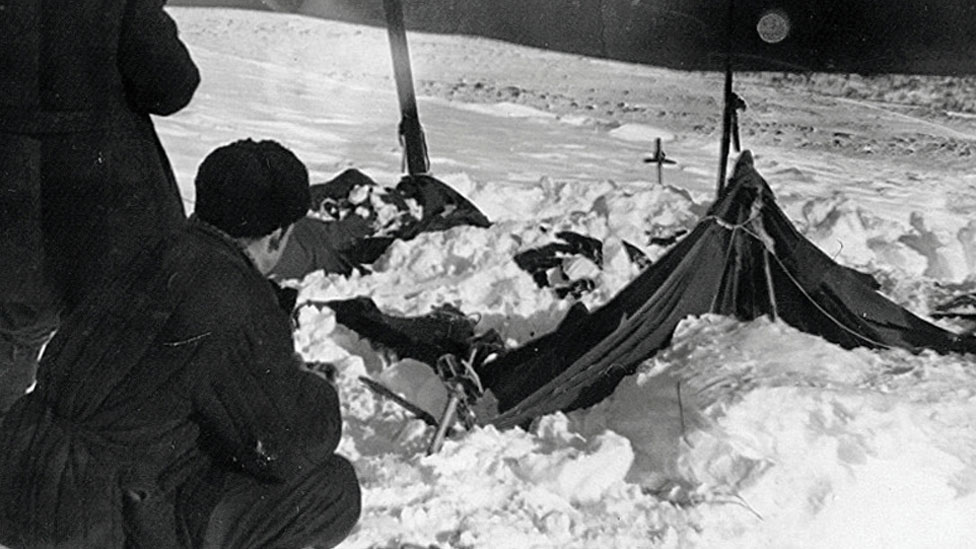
column 250, row 188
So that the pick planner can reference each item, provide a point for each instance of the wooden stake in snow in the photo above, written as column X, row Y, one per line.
column 660, row 159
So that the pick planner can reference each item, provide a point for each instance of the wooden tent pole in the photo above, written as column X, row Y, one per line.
column 727, row 102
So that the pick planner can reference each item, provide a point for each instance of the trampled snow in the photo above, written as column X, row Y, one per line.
column 736, row 435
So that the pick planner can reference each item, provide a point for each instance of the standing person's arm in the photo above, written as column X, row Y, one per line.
column 157, row 70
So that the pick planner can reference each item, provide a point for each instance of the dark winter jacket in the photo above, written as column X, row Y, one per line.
column 179, row 373
column 78, row 80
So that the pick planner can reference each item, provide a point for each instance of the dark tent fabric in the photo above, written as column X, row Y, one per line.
column 445, row 330
column 443, row 206
column 744, row 259
column 538, row 261
column 547, row 264
column 962, row 305
column 352, row 225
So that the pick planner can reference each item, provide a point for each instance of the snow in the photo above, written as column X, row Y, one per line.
column 737, row 434
column 835, row 448
column 641, row 133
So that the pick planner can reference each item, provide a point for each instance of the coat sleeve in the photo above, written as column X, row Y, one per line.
column 270, row 419
column 158, row 72
column 256, row 406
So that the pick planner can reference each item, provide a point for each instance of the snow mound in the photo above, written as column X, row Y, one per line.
column 511, row 489
column 507, row 109
column 641, row 133
column 788, row 441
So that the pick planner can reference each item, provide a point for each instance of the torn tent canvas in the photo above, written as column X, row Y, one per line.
column 743, row 259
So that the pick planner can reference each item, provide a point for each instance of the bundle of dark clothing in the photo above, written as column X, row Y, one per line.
column 353, row 221
column 544, row 261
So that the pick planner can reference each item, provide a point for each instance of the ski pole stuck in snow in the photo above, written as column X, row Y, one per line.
column 411, row 132
column 386, row 392
column 463, row 387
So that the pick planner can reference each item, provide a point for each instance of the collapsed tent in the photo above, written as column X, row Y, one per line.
column 743, row 259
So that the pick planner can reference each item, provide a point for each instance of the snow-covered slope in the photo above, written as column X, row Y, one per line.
column 738, row 435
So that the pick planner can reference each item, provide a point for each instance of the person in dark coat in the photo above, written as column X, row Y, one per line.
column 171, row 409
column 84, row 182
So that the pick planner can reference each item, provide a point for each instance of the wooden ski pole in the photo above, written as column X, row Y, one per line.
column 411, row 132
column 447, row 420
column 462, row 385
column 386, row 392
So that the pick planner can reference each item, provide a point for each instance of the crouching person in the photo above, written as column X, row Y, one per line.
column 171, row 410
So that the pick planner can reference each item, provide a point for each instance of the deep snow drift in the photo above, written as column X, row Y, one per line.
column 737, row 435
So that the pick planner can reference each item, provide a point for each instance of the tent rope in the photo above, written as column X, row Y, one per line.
column 771, row 291
column 744, row 227
column 824, row 311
